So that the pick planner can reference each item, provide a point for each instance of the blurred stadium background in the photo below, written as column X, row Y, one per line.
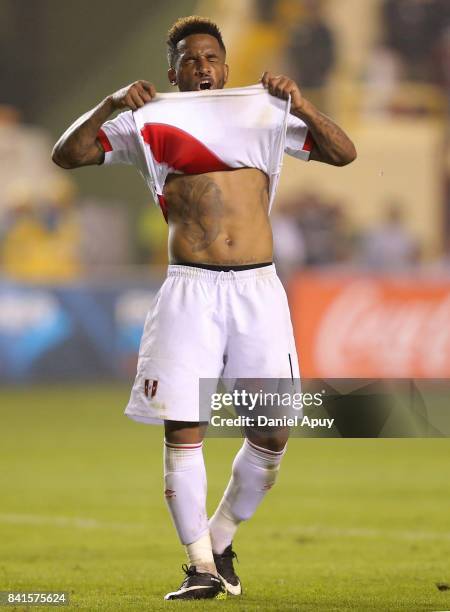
column 364, row 253
column 81, row 252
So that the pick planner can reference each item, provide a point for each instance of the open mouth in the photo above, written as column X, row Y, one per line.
column 205, row 84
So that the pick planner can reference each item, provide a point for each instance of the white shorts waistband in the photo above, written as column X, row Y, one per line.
column 220, row 275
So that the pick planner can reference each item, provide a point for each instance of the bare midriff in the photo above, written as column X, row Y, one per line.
column 219, row 218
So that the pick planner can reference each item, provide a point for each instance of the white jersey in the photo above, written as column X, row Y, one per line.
column 206, row 131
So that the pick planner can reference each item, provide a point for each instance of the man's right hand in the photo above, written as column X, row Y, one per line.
column 79, row 145
column 133, row 96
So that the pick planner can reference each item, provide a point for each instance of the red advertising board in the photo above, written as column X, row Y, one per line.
column 365, row 327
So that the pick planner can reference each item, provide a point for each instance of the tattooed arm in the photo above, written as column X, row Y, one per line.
column 331, row 143
column 79, row 146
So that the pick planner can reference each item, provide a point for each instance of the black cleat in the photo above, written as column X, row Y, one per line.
column 225, row 569
column 198, row 585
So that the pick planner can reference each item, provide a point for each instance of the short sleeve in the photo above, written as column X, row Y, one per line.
column 119, row 140
column 299, row 141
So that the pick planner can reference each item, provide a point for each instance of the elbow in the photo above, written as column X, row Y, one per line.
column 66, row 157
column 59, row 159
column 340, row 158
column 349, row 157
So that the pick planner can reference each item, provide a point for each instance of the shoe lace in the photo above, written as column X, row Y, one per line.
column 230, row 554
column 189, row 571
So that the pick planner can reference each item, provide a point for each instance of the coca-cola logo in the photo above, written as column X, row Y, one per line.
column 366, row 331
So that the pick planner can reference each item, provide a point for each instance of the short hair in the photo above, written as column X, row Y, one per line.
column 185, row 26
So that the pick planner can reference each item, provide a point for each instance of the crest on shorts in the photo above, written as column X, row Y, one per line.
column 150, row 387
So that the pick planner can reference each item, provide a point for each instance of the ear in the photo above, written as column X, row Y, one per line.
column 172, row 75
column 226, row 70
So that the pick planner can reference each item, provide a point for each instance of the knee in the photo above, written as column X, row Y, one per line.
column 179, row 432
column 273, row 441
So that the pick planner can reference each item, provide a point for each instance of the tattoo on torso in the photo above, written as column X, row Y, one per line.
column 197, row 203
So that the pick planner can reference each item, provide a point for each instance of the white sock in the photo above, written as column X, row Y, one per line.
column 185, row 489
column 254, row 472
column 200, row 554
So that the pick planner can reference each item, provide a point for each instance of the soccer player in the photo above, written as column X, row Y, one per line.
column 222, row 310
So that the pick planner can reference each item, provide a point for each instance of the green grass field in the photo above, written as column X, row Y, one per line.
column 351, row 525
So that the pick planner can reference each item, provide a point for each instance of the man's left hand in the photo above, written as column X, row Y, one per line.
column 282, row 86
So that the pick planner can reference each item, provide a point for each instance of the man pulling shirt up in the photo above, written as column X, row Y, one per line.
column 212, row 159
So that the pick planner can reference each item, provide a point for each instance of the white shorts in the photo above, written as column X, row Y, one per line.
column 208, row 324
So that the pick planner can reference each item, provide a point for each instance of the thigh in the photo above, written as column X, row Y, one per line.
column 261, row 340
column 183, row 327
column 183, row 341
